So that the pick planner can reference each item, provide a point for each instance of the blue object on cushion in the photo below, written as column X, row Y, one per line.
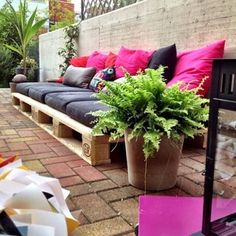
column 60, row 100
column 23, row 88
column 78, row 111
column 38, row 93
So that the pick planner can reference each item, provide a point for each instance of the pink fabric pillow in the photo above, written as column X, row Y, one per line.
column 97, row 60
column 131, row 61
column 192, row 67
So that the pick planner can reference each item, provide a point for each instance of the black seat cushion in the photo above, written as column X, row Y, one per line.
column 23, row 88
column 78, row 111
column 60, row 100
column 38, row 93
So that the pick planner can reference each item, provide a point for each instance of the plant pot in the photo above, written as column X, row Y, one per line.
column 161, row 169
column 12, row 87
column 31, row 74
column 20, row 71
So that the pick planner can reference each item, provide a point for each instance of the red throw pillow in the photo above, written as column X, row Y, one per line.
column 60, row 80
column 111, row 60
column 79, row 61
column 193, row 66
column 131, row 61
column 97, row 60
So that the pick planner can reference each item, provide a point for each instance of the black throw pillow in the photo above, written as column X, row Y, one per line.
column 79, row 76
column 166, row 56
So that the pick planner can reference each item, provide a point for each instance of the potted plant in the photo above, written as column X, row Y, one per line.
column 26, row 27
column 31, row 71
column 154, row 120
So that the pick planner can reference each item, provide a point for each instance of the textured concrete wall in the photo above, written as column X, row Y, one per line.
column 49, row 60
column 155, row 23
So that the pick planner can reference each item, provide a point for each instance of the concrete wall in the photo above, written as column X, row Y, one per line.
column 49, row 60
column 155, row 23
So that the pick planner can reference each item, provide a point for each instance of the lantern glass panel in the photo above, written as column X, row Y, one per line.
column 224, row 185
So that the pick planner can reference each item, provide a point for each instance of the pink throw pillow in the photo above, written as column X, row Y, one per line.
column 131, row 61
column 97, row 60
column 193, row 66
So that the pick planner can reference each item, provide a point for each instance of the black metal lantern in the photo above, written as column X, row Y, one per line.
column 219, row 213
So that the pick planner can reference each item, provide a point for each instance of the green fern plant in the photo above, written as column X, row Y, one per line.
column 145, row 105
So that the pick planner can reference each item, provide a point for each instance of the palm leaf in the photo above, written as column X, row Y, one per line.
column 35, row 28
column 14, row 49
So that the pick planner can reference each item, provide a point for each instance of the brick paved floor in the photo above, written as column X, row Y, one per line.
column 109, row 204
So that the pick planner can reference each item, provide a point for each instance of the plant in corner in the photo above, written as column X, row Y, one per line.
column 154, row 120
column 25, row 26
column 71, row 37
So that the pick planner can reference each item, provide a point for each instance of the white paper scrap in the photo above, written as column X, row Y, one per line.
column 55, row 220
column 40, row 230
column 10, row 166
column 29, row 198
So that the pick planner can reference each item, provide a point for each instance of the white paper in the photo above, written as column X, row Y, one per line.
column 10, row 166
column 8, row 187
column 20, row 175
column 29, row 198
column 35, row 230
column 55, row 220
column 52, row 186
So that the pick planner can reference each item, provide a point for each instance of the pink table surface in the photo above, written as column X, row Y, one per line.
column 177, row 216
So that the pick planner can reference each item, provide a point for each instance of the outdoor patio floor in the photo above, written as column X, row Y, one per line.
column 109, row 204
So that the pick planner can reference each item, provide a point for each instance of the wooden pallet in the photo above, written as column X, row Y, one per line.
column 95, row 149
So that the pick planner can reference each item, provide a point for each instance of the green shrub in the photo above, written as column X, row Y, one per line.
column 6, row 66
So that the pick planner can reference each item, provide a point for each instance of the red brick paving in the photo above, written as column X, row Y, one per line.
column 36, row 148
column 60, row 159
column 62, row 150
column 26, row 133
column 77, row 163
column 70, row 181
column 93, row 189
column 89, row 173
column 59, row 170
column 17, row 146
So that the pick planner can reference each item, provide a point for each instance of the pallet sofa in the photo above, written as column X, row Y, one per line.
column 47, row 105
column 61, row 109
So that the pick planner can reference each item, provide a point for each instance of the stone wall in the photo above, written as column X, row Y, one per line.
column 155, row 23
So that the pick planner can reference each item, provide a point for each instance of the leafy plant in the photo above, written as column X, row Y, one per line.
column 5, row 37
column 25, row 26
column 5, row 65
column 71, row 35
column 30, row 63
column 145, row 105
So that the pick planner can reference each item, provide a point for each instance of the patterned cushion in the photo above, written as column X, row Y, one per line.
column 97, row 82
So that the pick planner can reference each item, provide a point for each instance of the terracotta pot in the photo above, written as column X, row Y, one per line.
column 12, row 87
column 162, row 168
column 32, row 76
